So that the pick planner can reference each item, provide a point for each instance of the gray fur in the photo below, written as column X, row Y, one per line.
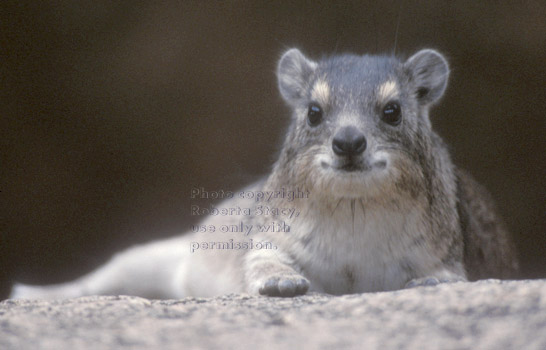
column 428, row 71
column 427, row 179
column 293, row 74
column 395, row 212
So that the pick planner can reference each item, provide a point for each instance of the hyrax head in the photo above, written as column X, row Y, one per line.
column 361, row 124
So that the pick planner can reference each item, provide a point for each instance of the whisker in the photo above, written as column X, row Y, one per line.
column 362, row 206
column 353, row 213
column 397, row 26
column 337, row 205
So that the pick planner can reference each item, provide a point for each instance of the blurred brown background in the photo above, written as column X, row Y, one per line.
column 112, row 110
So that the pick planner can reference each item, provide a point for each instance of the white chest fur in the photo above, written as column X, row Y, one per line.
column 355, row 248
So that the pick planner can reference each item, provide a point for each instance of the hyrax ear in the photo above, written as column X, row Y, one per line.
column 294, row 72
column 428, row 72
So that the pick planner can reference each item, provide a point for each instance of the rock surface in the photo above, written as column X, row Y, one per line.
column 482, row 315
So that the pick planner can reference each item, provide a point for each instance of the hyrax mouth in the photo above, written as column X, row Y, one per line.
column 351, row 165
column 361, row 166
column 354, row 165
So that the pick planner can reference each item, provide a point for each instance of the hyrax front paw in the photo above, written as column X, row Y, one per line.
column 431, row 281
column 284, row 286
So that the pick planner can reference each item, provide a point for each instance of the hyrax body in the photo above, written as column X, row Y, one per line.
column 386, row 207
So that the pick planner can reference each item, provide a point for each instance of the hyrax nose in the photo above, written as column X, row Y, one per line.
column 349, row 141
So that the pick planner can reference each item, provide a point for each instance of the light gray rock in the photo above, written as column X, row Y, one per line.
column 482, row 315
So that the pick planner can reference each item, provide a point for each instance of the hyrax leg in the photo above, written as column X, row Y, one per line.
column 270, row 273
column 145, row 271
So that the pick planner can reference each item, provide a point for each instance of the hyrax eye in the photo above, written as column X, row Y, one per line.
column 392, row 113
column 314, row 114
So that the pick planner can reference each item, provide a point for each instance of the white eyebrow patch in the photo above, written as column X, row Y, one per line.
column 321, row 92
column 387, row 91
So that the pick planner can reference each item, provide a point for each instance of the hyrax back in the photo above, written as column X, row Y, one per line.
column 386, row 207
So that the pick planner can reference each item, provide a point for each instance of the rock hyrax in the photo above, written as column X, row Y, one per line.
column 363, row 197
